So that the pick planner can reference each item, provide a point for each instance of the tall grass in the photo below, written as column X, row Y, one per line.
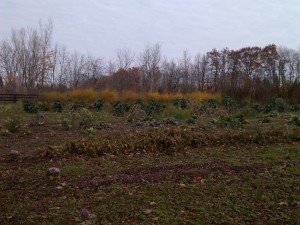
column 91, row 95
column 88, row 95
column 203, row 96
column 54, row 95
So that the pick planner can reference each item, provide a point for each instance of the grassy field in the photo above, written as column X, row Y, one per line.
column 200, row 163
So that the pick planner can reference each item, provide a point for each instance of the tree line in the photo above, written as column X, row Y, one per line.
column 30, row 62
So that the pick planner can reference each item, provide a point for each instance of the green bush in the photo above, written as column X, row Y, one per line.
column 212, row 103
column 99, row 105
column 181, row 103
column 120, row 108
column 229, row 102
column 85, row 118
column 58, row 106
column 295, row 108
column 154, row 107
column 275, row 104
column 68, row 121
column 30, row 106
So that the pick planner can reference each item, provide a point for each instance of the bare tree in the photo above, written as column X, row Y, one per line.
column 125, row 58
column 150, row 60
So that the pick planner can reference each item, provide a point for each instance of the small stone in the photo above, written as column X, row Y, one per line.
column 59, row 187
column 85, row 213
column 53, row 172
column 152, row 203
column 283, row 203
column 148, row 211
column 93, row 216
column 182, row 185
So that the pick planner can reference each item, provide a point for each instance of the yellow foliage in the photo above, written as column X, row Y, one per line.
column 90, row 95
column 202, row 96
column 130, row 96
column 109, row 96
column 54, row 95
column 163, row 97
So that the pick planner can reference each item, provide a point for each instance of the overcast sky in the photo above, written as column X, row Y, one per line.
column 102, row 26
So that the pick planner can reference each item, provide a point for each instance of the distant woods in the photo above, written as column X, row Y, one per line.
column 30, row 62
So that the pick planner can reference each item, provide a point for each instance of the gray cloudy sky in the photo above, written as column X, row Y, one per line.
column 102, row 26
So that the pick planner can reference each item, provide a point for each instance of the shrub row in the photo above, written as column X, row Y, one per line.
column 171, row 140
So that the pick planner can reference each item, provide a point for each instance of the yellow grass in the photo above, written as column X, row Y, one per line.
column 163, row 97
column 109, row 96
column 129, row 96
column 90, row 95
column 54, row 96
column 202, row 96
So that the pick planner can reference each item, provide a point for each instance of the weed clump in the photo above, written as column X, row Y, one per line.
column 154, row 107
column 68, row 121
column 99, row 105
column 229, row 121
column 181, row 103
column 120, row 108
column 275, row 104
column 58, row 106
column 295, row 108
column 295, row 120
column 12, row 124
column 265, row 120
column 85, row 118
column 208, row 107
column 43, row 106
column 30, row 106
column 229, row 103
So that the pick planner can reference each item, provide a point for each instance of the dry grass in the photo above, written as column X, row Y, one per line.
column 202, row 96
column 54, row 95
column 90, row 95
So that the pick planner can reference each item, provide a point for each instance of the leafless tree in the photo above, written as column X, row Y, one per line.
column 125, row 58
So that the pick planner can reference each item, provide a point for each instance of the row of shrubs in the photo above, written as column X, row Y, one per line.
column 155, row 107
column 85, row 118
column 119, row 108
column 176, row 139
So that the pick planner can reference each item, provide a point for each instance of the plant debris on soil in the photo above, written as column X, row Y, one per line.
column 153, row 172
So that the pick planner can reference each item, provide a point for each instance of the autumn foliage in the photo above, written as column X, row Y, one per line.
column 91, row 95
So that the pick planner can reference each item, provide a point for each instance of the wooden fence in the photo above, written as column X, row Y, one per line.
column 9, row 98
